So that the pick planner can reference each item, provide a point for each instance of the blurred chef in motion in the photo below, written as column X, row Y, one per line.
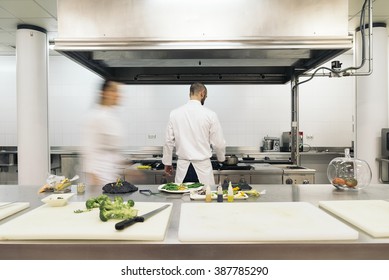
column 103, row 161
column 195, row 132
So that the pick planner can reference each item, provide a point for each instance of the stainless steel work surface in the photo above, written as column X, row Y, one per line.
column 365, row 247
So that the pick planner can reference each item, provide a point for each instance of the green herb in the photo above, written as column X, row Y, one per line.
column 170, row 187
column 194, row 185
column 82, row 211
column 119, row 183
column 175, row 187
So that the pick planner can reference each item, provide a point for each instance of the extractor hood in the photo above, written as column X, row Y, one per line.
column 213, row 41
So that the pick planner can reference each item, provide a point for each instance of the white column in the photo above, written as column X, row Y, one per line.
column 32, row 105
column 372, row 102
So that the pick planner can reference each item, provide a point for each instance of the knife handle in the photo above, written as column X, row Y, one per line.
column 128, row 222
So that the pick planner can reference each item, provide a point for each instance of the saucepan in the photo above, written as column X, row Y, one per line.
column 231, row 160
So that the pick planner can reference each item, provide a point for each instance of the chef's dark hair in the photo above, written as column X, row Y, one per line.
column 106, row 84
column 196, row 88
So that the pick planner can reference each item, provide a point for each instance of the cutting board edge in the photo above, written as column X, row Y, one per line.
column 351, row 221
column 22, row 206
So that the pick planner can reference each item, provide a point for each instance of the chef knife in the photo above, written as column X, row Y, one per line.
column 139, row 219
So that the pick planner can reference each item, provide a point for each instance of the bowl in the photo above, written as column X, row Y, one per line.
column 346, row 173
column 57, row 200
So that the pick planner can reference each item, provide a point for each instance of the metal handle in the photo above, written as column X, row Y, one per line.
column 146, row 192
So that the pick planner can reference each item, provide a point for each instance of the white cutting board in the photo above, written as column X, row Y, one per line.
column 11, row 209
column 371, row 216
column 61, row 223
column 267, row 221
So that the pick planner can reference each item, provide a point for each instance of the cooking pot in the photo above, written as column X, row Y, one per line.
column 267, row 144
column 231, row 160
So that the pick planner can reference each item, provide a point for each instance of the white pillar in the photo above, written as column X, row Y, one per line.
column 372, row 102
column 32, row 105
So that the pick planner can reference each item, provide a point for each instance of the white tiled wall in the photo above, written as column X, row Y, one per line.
column 246, row 112
column 7, row 101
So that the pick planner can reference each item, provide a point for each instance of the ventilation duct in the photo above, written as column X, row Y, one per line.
column 213, row 41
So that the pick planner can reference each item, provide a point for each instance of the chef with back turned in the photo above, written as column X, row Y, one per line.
column 195, row 132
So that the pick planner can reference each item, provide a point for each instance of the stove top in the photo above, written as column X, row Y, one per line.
column 295, row 169
column 239, row 166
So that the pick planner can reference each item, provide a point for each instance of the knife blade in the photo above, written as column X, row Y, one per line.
column 139, row 219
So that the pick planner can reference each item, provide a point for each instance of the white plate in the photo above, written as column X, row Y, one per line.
column 160, row 188
column 57, row 200
column 196, row 196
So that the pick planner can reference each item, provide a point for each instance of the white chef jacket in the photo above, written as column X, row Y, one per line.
column 194, row 131
column 102, row 142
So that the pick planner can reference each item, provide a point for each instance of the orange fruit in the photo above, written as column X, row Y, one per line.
column 339, row 181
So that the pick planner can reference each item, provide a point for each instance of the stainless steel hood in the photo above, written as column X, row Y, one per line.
column 213, row 41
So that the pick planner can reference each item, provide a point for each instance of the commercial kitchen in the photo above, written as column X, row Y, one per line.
column 292, row 97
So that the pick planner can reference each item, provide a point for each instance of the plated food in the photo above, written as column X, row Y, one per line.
column 120, row 186
column 201, row 196
column 180, row 187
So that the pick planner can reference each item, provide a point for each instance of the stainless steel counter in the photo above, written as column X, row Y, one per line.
column 65, row 160
column 240, row 151
column 365, row 247
column 259, row 174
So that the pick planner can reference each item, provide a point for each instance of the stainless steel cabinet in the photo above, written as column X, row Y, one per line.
column 139, row 176
column 234, row 178
column 70, row 165
column 162, row 179
column 157, row 177
column 266, row 179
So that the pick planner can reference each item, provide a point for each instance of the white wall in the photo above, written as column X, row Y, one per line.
column 247, row 112
column 327, row 109
column 72, row 90
column 8, row 125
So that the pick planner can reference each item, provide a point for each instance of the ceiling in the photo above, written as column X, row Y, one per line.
column 43, row 13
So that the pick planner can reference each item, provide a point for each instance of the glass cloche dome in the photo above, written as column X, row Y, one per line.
column 348, row 173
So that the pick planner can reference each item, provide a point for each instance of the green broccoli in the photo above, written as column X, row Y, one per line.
column 131, row 203
column 117, row 209
column 95, row 202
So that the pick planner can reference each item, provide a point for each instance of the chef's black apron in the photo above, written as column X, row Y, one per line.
column 191, row 175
